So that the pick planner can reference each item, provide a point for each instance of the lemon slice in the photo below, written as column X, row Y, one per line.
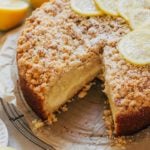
column 37, row 3
column 85, row 7
column 12, row 12
column 135, row 47
column 138, row 16
column 108, row 6
column 126, row 6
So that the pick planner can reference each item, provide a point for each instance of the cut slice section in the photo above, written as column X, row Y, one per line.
column 70, row 83
column 66, row 85
column 138, row 16
column 85, row 7
column 108, row 6
column 126, row 6
column 135, row 47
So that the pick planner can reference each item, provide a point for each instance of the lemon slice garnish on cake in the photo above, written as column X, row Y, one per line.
column 135, row 46
column 85, row 7
column 139, row 16
column 126, row 6
column 12, row 12
column 108, row 6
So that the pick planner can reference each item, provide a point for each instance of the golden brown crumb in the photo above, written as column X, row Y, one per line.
column 82, row 94
column 84, row 90
column 37, row 124
column 108, row 120
column 64, row 108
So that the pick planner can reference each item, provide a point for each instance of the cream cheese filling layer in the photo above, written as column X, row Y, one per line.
column 69, row 84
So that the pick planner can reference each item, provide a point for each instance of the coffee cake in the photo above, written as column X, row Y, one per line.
column 60, row 51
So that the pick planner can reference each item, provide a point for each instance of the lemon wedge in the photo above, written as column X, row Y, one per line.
column 12, row 12
column 85, row 7
column 135, row 46
column 108, row 6
column 126, row 6
column 139, row 16
column 37, row 3
column 6, row 148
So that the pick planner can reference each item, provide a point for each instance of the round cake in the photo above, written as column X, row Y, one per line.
column 59, row 52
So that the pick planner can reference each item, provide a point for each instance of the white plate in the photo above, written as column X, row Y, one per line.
column 3, row 134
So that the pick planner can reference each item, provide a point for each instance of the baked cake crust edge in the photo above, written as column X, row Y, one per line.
column 33, row 100
column 129, row 123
